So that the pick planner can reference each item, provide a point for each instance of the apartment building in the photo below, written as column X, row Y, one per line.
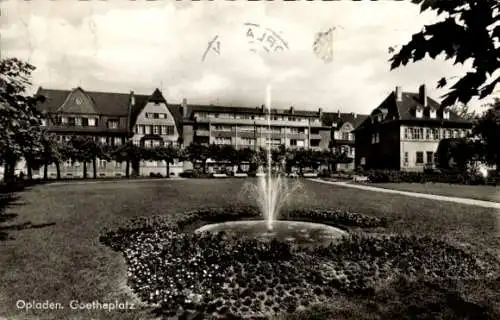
column 404, row 131
column 254, row 127
column 112, row 119
column 155, row 123
column 342, row 135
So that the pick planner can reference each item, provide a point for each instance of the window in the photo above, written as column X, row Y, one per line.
column 156, row 143
column 112, row 124
column 301, row 130
column 91, row 122
column 432, row 113
column 85, row 122
column 78, row 121
column 405, row 159
column 428, row 133
column 420, row 157
column 103, row 140
column 156, row 129
column 141, row 129
column 147, row 143
column 435, row 134
column 64, row 120
column 315, row 131
column 419, row 112
column 118, row 164
column 430, row 157
column 407, row 133
column 162, row 116
column 293, row 142
column 315, row 142
column 435, row 157
column 103, row 163
column 300, row 143
column 446, row 114
column 117, row 141
column 345, row 136
column 147, row 129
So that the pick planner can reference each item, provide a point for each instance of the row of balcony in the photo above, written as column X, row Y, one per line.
column 262, row 122
column 251, row 135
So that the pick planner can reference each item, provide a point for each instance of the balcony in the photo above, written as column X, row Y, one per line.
column 204, row 133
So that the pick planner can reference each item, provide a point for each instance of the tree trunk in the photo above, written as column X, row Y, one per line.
column 30, row 170
column 168, row 168
column 127, row 168
column 204, row 166
column 9, row 171
column 58, row 170
column 94, row 168
column 45, row 171
column 84, row 169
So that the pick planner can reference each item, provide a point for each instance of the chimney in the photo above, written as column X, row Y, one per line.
column 184, row 108
column 354, row 115
column 399, row 93
column 132, row 98
column 423, row 95
column 320, row 112
column 130, row 107
column 338, row 113
column 291, row 109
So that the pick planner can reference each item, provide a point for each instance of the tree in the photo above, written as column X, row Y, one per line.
column 198, row 152
column 167, row 154
column 131, row 154
column 468, row 30
column 463, row 111
column 18, row 113
column 243, row 155
column 487, row 128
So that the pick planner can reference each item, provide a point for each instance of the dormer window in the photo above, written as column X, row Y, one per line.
column 446, row 114
column 419, row 113
column 379, row 117
column 432, row 113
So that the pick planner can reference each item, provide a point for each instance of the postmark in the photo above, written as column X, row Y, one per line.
column 259, row 39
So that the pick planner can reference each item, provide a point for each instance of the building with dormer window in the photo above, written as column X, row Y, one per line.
column 342, row 134
column 103, row 116
column 155, row 123
column 404, row 131
column 111, row 119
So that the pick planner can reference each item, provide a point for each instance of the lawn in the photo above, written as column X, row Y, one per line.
column 479, row 192
column 59, row 258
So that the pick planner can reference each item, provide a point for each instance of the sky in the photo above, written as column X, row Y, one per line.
column 123, row 46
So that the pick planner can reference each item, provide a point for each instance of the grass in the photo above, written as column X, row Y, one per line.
column 62, row 260
column 479, row 192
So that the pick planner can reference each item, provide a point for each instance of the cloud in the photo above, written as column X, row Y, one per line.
column 129, row 45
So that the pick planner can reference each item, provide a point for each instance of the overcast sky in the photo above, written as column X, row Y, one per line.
column 123, row 45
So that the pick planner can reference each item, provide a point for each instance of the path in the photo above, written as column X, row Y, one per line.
column 474, row 202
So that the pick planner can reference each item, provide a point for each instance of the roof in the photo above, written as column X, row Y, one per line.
column 247, row 110
column 340, row 118
column 405, row 109
column 107, row 103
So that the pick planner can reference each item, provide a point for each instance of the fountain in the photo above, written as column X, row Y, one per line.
column 271, row 192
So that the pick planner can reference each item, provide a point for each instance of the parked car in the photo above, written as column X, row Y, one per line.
column 293, row 175
column 310, row 174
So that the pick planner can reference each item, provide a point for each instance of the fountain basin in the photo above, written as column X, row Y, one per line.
column 295, row 232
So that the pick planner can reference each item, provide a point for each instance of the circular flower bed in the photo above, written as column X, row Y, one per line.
column 220, row 275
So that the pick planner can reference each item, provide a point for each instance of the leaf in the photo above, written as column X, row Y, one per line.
column 442, row 82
